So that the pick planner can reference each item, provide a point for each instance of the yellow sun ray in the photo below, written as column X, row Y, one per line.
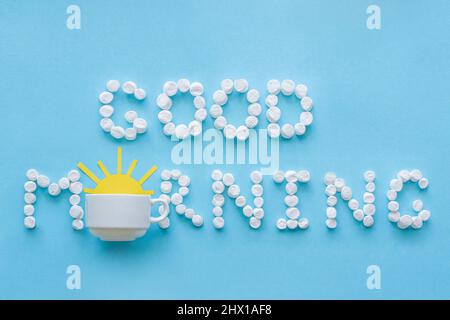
column 88, row 172
column 147, row 175
column 119, row 160
column 131, row 168
column 117, row 183
column 103, row 168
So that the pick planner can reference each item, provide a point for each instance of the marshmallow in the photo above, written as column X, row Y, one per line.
column 113, row 85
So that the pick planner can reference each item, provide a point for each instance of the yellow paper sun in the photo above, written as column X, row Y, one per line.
column 117, row 183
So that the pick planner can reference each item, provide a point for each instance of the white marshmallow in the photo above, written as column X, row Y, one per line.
column 331, row 201
column 306, row 103
column 287, row 131
column 106, row 97
column 28, row 210
column 425, row 215
column 254, row 109
column 291, row 200
column 106, row 124
column 184, row 191
column 271, row 100
column 255, row 223
column 220, row 97
column 291, row 188
column 64, row 183
column 242, row 133
column 218, row 200
column 290, row 176
column 331, row 213
column 76, row 187
column 416, row 175
column 368, row 221
column 113, row 85
column 130, row 134
column 164, row 223
column 140, row 94
column 228, row 179
column 54, row 189
column 140, row 124
column 393, row 206
column 358, row 215
column 247, row 211
column 339, row 183
column 423, row 183
column 303, row 223
column 278, row 176
column 200, row 114
column 220, row 123
column 184, row 181
column 273, row 130
column 216, row 111
column 353, row 204
column 417, row 223
column 169, row 129
column 217, row 211
column 29, row 222
column 292, row 213
column 404, row 222
column 180, row 208
column 368, row 197
column 229, row 131
column 253, row 96
column 117, row 132
column 417, row 205
column 273, row 86
column 369, row 176
column 218, row 222
column 189, row 213
column 181, row 131
column 163, row 101
column 76, row 212
column 74, row 175
column 258, row 202
column 281, row 224
column 331, row 223
column 301, row 91
column 241, row 85
column 306, row 118
column 394, row 216
column 166, row 187
column 256, row 176
column 74, row 199
column 346, row 193
column 330, row 190
column 30, row 186
column 170, row 88
column 370, row 187
column 330, row 178
column 233, row 191
column 43, row 181
column 257, row 190
column 199, row 102
column 396, row 185
column 404, row 175
column 196, row 89
column 129, row 87
column 391, row 195
column 183, row 85
column 106, row 111
column 32, row 174
column 240, row 201
column 227, row 85
column 258, row 213
column 273, row 114
column 369, row 209
column 218, row 187
column 303, row 176
column 195, row 128
column 176, row 199
column 165, row 116
column 287, row 87
column 292, row 224
column 197, row 220
column 300, row 129
column 217, row 175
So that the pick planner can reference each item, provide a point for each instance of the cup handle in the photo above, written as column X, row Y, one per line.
column 165, row 209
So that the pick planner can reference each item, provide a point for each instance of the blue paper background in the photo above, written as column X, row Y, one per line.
column 382, row 102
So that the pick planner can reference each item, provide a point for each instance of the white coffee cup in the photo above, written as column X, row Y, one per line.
column 121, row 217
